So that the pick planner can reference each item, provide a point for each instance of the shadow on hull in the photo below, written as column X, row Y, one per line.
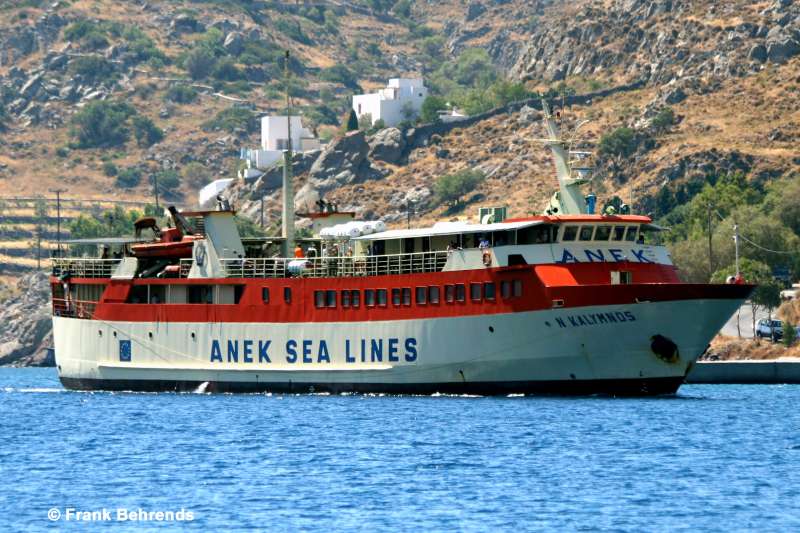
column 611, row 387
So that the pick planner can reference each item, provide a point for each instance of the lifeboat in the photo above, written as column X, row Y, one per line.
column 171, row 245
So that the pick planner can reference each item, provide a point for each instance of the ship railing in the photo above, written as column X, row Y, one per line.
column 73, row 308
column 335, row 267
column 81, row 267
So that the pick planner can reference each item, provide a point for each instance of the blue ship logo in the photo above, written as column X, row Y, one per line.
column 125, row 351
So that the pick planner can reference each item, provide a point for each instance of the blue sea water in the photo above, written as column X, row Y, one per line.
column 711, row 458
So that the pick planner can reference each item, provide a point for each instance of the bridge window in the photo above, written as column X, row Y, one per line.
column 330, row 298
column 433, row 295
column 369, row 297
column 265, row 294
column 619, row 233
column 535, row 235
column 586, row 233
column 382, row 297
column 505, row 289
column 287, row 295
column 395, row 296
column 355, row 298
column 449, row 293
column 319, row 299
column 461, row 292
column 345, row 298
column 489, row 291
column 517, row 288
column 422, row 295
column 570, row 232
column 199, row 294
column 602, row 233
column 631, row 235
column 406, row 296
column 475, row 292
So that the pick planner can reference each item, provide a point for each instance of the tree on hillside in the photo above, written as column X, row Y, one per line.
column 146, row 132
column 431, row 107
column 199, row 63
column 451, row 187
column 352, row 121
column 102, row 124
column 619, row 143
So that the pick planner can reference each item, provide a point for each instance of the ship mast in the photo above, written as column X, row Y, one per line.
column 287, row 226
column 568, row 200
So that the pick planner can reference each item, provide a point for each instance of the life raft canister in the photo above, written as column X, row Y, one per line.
column 487, row 259
column 664, row 348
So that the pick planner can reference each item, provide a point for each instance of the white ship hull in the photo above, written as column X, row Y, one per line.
column 586, row 349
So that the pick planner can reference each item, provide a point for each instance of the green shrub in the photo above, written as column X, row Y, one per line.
column 110, row 169
column 101, row 124
column 62, row 151
column 226, row 70
column 340, row 74
column 129, row 178
column 196, row 175
column 181, row 94
column 293, row 30
column 94, row 68
column 199, row 63
column 146, row 132
column 352, row 121
column 619, row 143
column 451, row 187
column 789, row 334
column 664, row 119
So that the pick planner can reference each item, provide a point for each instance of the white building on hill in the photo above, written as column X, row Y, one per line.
column 400, row 100
column 274, row 141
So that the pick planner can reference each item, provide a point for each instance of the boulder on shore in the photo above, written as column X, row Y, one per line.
column 26, row 327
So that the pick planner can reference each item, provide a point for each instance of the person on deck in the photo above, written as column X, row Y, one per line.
column 298, row 252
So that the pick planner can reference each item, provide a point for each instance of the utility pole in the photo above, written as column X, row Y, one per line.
column 58, row 216
column 710, row 249
column 288, row 193
column 39, row 247
column 409, row 213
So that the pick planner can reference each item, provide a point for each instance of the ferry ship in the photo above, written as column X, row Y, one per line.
column 567, row 302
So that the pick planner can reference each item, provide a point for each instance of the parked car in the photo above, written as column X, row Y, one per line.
column 769, row 329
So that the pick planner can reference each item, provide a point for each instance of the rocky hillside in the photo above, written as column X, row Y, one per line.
column 25, row 323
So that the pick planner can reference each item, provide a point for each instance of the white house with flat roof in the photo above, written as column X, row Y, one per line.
column 400, row 100
column 274, row 141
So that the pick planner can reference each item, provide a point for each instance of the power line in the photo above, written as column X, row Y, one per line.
column 765, row 249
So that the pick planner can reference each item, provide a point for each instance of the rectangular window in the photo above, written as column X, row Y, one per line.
column 355, row 298
column 345, row 298
column 570, row 232
column 602, row 233
column 287, row 295
column 619, row 233
column 505, row 289
column 422, row 295
column 475, row 292
column 586, row 233
column 369, row 297
column 433, row 295
column 265, row 294
column 319, row 299
column 631, row 235
column 461, row 292
column 488, row 290
column 517, row 288
column 382, row 297
column 238, row 291
column 330, row 298
column 406, row 296
column 199, row 294
column 449, row 293
column 395, row 296
column 621, row 277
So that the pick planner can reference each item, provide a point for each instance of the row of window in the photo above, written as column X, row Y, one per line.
column 600, row 233
column 422, row 295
